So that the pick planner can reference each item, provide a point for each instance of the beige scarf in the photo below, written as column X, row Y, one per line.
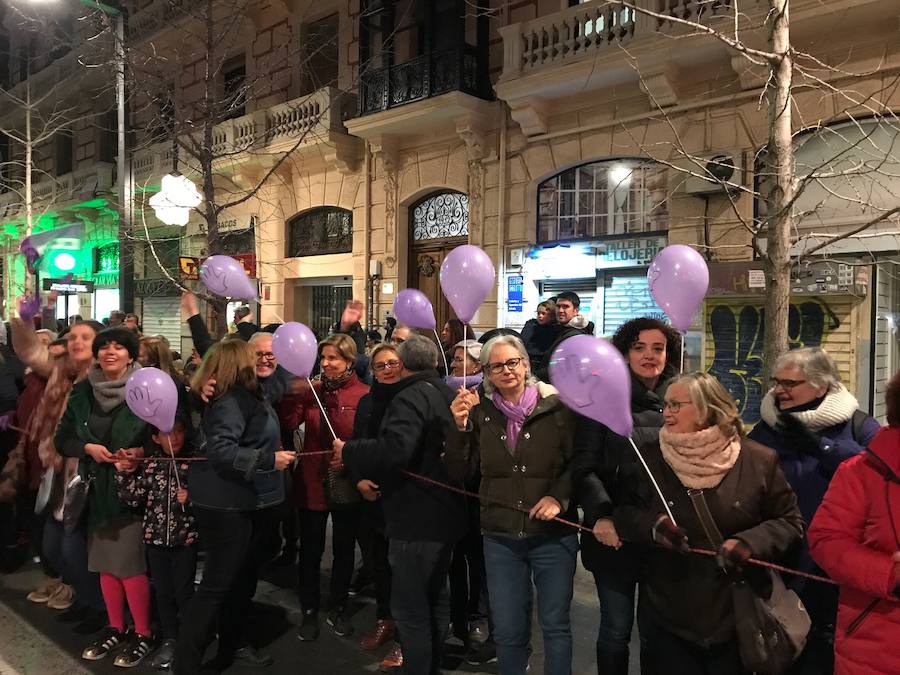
column 700, row 459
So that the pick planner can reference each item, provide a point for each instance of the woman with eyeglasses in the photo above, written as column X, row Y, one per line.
column 814, row 424
column 321, row 492
column 652, row 350
column 702, row 463
column 520, row 436
column 373, row 542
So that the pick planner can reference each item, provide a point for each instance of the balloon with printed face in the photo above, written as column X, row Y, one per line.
column 295, row 346
column 678, row 279
column 467, row 277
column 413, row 308
column 593, row 380
column 225, row 276
column 152, row 395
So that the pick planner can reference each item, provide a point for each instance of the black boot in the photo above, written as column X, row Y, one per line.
column 612, row 663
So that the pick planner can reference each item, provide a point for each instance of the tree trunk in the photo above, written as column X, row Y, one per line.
column 780, row 220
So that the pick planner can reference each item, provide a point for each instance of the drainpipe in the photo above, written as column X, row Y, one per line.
column 501, row 218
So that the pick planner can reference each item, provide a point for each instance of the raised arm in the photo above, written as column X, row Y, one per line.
column 29, row 349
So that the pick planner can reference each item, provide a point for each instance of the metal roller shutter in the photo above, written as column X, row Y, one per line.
column 734, row 342
column 626, row 297
column 162, row 316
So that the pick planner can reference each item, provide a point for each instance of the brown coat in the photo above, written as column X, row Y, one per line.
column 539, row 466
column 687, row 594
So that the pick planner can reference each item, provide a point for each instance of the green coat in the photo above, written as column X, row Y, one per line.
column 539, row 466
column 127, row 431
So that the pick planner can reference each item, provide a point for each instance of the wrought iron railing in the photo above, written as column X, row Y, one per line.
column 425, row 76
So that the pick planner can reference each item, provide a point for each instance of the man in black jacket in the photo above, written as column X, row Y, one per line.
column 423, row 521
column 571, row 322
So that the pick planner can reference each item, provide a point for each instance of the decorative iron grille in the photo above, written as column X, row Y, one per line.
column 320, row 231
column 441, row 215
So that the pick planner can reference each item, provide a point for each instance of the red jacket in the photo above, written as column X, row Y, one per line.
column 852, row 538
column 309, row 490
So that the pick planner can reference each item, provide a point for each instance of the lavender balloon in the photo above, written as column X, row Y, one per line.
column 413, row 308
column 593, row 381
column 679, row 279
column 152, row 395
column 295, row 346
column 467, row 276
column 225, row 276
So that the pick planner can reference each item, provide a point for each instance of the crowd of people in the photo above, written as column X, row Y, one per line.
column 459, row 473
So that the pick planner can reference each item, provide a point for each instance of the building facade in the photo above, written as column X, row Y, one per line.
column 569, row 140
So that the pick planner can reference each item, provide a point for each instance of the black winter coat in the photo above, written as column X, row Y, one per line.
column 688, row 594
column 597, row 468
column 538, row 338
column 411, row 437
column 242, row 435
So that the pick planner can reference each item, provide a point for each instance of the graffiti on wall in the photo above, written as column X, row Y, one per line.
column 737, row 335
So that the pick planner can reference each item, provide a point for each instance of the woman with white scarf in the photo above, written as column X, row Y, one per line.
column 814, row 424
column 702, row 454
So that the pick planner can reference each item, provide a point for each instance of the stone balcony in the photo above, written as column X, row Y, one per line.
column 307, row 125
column 61, row 193
column 599, row 45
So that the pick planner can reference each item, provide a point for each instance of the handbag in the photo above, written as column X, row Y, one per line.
column 771, row 632
column 75, row 502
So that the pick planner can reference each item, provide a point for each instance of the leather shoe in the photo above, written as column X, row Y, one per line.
column 383, row 631
column 250, row 657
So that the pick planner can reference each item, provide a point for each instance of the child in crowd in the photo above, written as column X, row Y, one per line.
column 159, row 487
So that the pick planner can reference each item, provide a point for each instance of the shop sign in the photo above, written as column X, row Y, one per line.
column 189, row 267
column 248, row 260
column 631, row 252
column 514, row 293
column 68, row 287
column 155, row 287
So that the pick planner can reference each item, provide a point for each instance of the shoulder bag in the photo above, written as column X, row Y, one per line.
column 771, row 632
column 75, row 501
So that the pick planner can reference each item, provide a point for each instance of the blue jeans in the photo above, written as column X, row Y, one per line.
column 512, row 566
column 68, row 554
column 616, row 612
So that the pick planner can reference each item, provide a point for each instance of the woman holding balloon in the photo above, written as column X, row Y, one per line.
column 703, row 464
column 231, row 494
column 652, row 351
column 101, row 430
column 521, row 434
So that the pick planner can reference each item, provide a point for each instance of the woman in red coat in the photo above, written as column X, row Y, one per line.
column 339, row 391
column 855, row 537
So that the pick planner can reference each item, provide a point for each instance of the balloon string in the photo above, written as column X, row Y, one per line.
column 681, row 369
column 653, row 480
column 322, row 408
column 173, row 467
column 441, row 350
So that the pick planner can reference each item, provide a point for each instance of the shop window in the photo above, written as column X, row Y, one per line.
column 613, row 197
column 319, row 231
column 440, row 216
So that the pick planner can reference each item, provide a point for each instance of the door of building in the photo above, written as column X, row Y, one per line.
column 326, row 307
column 439, row 223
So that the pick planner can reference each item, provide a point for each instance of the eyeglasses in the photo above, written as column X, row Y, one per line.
column 265, row 356
column 384, row 365
column 497, row 368
column 675, row 406
column 787, row 385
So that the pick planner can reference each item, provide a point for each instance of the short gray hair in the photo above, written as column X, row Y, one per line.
column 814, row 362
column 499, row 341
column 418, row 353
column 259, row 335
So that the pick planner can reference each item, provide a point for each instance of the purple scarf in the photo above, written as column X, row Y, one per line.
column 516, row 412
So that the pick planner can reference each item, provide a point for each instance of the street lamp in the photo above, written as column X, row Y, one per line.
column 177, row 196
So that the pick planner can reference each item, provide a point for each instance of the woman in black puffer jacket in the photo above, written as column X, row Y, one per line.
column 230, row 494
column 652, row 350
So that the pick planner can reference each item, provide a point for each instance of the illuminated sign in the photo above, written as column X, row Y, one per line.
column 68, row 287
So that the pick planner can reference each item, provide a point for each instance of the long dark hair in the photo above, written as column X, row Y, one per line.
column 629, row 332
column 458, row 332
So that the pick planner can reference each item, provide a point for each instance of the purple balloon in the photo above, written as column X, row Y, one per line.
column 593, row 380
column 295, row 346
column 679, row 279
column 467, row 276
column 413, row 308
column 225, row 276
column 153, row 396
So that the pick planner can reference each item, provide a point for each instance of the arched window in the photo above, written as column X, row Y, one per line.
column 327, row 229
column 612, row 197
column 441, row 215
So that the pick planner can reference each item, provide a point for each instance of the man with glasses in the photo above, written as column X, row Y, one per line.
column 814, row 423
column 423, row 521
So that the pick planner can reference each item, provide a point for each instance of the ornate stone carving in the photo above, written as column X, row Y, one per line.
column 426, row 265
